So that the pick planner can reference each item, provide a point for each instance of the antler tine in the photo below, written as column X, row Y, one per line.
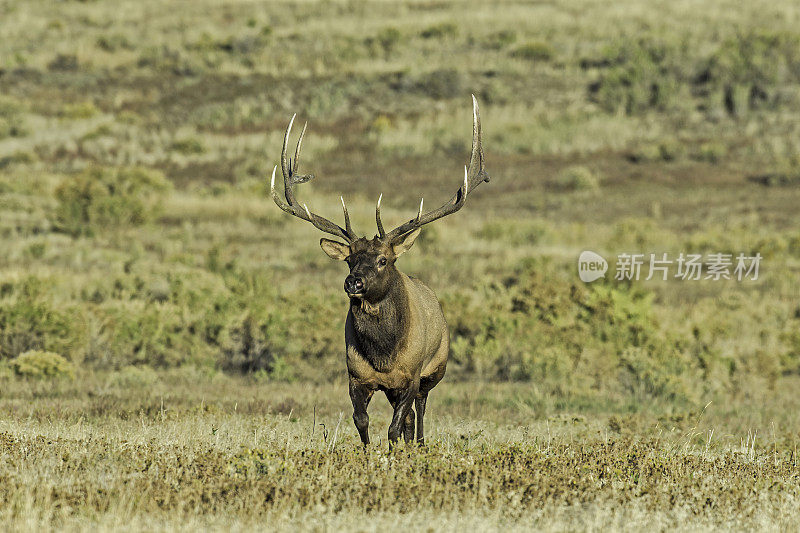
column 289, row 169
column 286, row 168
column 295, row 165
column 381, row 232
column 474, row 175
column 464, row 188
column 346, row 218
column 281, row 203
column 476, row 169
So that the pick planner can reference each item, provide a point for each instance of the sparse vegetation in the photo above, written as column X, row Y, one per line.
column 534, row 51
column 204, row 331
column 188, row 146
column 105, row 198
column 12, row 122
column 444, row 30
column 577, row 178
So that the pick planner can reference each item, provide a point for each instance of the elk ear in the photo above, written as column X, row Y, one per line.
column 405, row 242
column 335, row 250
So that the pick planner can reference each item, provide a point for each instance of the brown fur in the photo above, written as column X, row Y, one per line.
column 396, row 336
column 380, row 327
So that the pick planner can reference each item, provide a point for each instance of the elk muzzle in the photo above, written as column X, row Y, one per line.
column 354, row 285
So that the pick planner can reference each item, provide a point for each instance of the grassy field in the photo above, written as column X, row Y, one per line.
column 171, row 342
column 182, row 450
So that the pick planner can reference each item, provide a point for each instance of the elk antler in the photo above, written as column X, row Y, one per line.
column 290, row 178
column 474, row 175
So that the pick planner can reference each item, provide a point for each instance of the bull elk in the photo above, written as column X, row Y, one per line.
column 396, row 336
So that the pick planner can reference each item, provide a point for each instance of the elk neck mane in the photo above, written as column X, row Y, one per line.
column 380, row 328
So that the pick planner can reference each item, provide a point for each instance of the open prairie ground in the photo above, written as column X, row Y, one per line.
column 171, row 343
column 182, row 450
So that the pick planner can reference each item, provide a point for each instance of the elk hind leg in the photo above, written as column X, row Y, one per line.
column 402, row 401
column 408, row 426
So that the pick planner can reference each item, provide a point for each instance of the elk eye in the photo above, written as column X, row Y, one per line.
column 382, row 261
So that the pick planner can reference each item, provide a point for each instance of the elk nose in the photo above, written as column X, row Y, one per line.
column 353, row 285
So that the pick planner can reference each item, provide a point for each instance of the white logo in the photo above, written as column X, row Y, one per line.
column 591, row 266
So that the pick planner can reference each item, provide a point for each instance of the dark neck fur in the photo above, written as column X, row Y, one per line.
column 380, row 328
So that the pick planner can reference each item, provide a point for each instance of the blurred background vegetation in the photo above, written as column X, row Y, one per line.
column 136, row 140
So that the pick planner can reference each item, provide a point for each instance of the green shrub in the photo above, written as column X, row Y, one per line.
column 243, row 45
column 17, row 158
column 772, row 246
column 29, row 321
column 254, row 345
column 39, row 364
column 671, row 149
column 112, row 43
column 159, row 335
column 790, row 359
column 534, row 51
column 443, row 30
column 101, row 131
column 380, row 125
column 514, row 232
column 279, row 370
column 133, row 377
column 103, row 198
column 645, row 153
column 63, row 63
column 10, row 106
column 167, row 59
column 36, row 250
column 188, row 146
column 12, row 121
column 577, row 178
column 386, row 41
column 709, row 152
column 272, row 339
column 501, row 39
column 651, row 152
column 162, row 320
column 645, row 373
column 78, row 110
column 6, row 372
column 748, row 69
column 440, row 84
column 545, row 325
column 744, row 72
column 781, row 178
column 640, row 75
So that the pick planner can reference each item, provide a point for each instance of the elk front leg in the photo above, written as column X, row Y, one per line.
column 420, row 402
column 360, row 396
column 402, row 402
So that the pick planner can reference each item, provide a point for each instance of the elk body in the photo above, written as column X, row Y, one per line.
column 396, row 336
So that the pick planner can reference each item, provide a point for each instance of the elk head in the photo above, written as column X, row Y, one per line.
column 371, row 261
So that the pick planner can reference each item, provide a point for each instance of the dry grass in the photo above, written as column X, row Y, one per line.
column 665, row 405
column 189, row 450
